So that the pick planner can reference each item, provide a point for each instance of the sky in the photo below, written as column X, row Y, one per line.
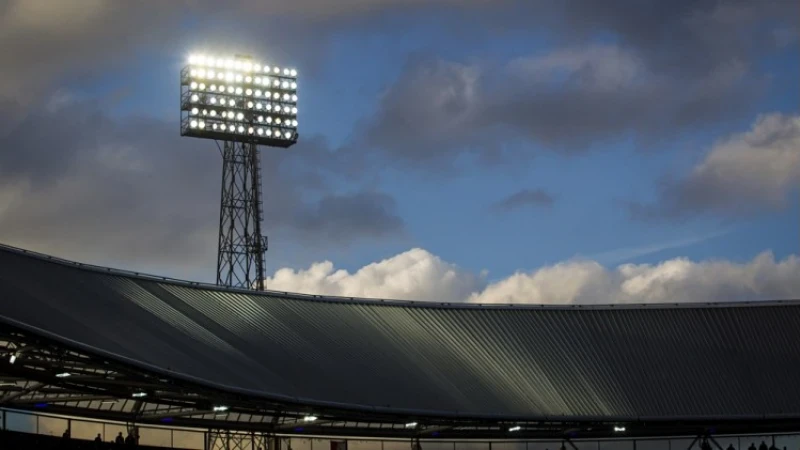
column 492, row 151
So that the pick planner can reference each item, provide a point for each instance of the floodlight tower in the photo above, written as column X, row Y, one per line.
column 240, row 103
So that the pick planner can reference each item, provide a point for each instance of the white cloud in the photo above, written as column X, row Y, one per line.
column 415, row 274
column 418, row 274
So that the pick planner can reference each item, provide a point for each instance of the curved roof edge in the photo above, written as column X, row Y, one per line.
column 390, row 302
column 351, row 407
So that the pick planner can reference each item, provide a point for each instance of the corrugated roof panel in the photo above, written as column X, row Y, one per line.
column 521, row 362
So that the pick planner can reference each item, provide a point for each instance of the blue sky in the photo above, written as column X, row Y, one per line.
column 362, row 79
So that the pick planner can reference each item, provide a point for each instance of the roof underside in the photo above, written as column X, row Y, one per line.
column 504, row 363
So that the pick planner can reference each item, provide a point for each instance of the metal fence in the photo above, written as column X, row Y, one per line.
column 196, row 439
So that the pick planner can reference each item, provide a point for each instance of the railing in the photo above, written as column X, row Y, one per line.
column 197, row 439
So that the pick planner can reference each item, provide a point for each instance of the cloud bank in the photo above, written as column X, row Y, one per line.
column 420, row 275
column 743, row 174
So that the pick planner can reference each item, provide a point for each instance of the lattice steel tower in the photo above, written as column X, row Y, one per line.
column 242, row 247
column 241, row 105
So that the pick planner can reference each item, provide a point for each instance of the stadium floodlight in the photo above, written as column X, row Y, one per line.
column 619, row 429
column 139, row 394
column 239, row 91
column 12, row 358
column 515, row 428
column 309, row 418
column 411, row 425
column 220, row 408
column 224, row 99
column 63, row 375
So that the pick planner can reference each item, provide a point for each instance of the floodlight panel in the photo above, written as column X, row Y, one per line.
column 239, row 99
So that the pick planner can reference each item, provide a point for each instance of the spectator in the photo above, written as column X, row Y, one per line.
column 763, row 446
column 130, row 441
column 730, row 447
column 121, row 440
column 752, row 446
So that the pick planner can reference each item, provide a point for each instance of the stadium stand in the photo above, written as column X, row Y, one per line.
column 400, row 361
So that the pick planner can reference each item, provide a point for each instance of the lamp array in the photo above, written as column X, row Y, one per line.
column 239, row 97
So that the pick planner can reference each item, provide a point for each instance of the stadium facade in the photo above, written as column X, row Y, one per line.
column 106, row 344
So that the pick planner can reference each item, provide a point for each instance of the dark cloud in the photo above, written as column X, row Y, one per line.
column 75, row 181
column 671, row 68
column 343, row 217
column 524, row 198
column 744, row 174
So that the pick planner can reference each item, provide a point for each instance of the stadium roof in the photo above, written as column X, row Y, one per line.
column 499, row 364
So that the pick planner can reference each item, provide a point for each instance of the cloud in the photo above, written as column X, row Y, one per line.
column 668, row 70
column 74, row 181
column 340, row 217
column 420, row 275
column 523, row 198
column 628, row 253
column 569, row 100
column 410, row 275
column 743, row 174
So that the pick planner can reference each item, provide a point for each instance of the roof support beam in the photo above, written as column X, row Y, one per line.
column 14, row 395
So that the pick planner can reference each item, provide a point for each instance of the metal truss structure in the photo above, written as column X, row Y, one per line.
column 240, row 256
column 221, row 439
column 39, row 373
